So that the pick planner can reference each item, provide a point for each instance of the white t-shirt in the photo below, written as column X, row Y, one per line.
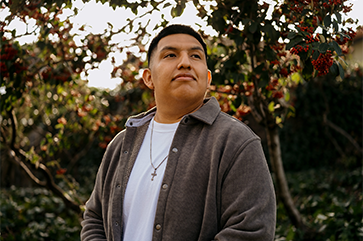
column 142, row 193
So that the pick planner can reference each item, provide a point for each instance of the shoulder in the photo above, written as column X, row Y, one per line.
column 231, row 127
column 118, row 138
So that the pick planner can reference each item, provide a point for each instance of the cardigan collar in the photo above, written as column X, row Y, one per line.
column 207, row 114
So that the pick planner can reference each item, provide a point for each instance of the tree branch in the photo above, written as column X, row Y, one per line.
column 14, row 125
column 335, row 143
column 49, row 183
column 20, row 157
column 343, row 133
column 26, row 169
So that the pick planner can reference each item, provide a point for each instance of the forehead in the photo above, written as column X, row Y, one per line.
column 179, row 41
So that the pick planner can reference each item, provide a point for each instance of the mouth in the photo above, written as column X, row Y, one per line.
column 184, row 77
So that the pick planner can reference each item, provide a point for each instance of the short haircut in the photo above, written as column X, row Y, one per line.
column 175, row 29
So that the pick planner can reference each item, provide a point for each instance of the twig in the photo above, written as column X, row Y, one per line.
column 343, row 133
column 14, row 125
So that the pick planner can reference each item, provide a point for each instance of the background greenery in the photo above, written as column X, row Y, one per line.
column 55, row 126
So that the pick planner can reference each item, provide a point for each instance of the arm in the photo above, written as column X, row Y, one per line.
column 92, row 225
column 248, row 203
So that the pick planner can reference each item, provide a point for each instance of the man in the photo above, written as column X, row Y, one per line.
column 183, row 170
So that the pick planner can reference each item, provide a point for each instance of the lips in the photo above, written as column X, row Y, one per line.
column 184, row 76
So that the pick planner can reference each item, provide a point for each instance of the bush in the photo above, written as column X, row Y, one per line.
column 329, row 200
column 35, row 214
column 306, row 141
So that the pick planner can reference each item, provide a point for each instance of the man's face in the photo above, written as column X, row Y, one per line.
column 178, row 70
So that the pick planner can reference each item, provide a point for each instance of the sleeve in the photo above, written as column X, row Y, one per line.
column 93, row 227
column 248, row 201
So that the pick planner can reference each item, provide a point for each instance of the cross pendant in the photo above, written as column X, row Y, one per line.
column 153, row 174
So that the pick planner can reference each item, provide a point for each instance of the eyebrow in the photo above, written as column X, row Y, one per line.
column 174, row 48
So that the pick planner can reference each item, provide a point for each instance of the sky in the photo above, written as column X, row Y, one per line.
column 96, row 16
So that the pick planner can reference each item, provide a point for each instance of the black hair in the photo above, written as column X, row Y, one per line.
column 175, row 29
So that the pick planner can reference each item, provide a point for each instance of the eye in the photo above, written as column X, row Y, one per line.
column 169, row 55
column 197, row 56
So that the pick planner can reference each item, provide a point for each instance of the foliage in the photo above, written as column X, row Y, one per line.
column 35, row 214
column 257, row 63
column 306, row 138
column 52, row 123
column 330, row 200
column 254, row 66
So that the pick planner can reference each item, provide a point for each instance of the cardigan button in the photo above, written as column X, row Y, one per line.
column 118, row 185
column 165, row 186
column 116, row 223
column 125, row 152
column 158, row 226
column 175, row 150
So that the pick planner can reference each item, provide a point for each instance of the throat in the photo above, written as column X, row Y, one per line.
column 173, row 114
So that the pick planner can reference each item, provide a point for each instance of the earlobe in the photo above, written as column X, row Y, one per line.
column 209, row 77
column 146, row 76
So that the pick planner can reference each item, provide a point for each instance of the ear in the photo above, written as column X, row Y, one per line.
column 146, row 76
column 209, row 77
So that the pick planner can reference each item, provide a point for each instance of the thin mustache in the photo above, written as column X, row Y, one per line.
column 184, row 75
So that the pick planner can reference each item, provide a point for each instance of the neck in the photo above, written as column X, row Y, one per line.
column 173, row 114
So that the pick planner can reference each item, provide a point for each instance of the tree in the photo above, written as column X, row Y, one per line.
column 256, row 61
column 50, row 118
column 291, row 51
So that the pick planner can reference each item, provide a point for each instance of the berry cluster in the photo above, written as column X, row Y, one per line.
column 311, row 38
column 275, row 62
column 9, row 61
column 299, row 5
column 306, row 29
column 315, row 20
column 272, row 86
column 323, row 63
column 8, row 52
column 343, row 40
column 278, row 49
column 331, row 3
column 298, row 49
column 277, row 94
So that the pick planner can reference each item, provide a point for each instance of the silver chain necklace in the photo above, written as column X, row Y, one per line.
column 151, row 158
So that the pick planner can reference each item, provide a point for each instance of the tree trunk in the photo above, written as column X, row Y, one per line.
column 283, row 192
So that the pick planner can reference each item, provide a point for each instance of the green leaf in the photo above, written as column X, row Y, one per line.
column 335, row 25
column 294, row 42
column 291, row 35
column 59, row 126
column 167, row 5
column 327, row 21
column 296, row 78
column 271, row 106
column 253, row 27
column 339, row 17
column 337, row 48
column 341, row 71
column 323, row 47
column 178, row 9
column 287, row 96
column 316, row 55
column 334, row 69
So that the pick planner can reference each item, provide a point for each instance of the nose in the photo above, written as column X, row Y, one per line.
column 184, row 62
